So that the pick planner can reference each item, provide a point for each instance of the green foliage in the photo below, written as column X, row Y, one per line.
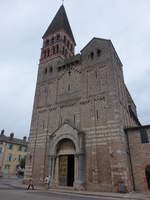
column 22, row 163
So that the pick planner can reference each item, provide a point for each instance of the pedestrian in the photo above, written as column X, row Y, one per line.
column 30, row 184
column 46, row 181
column 49, row 182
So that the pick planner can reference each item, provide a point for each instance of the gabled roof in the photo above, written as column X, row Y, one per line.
column 60, row 21
column 94, row 38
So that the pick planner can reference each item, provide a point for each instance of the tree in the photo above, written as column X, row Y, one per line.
column 22, row 163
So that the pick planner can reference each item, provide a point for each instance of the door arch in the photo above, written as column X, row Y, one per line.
column 147, row 173
column 66, row 154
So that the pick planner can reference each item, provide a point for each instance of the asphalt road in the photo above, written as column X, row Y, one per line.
column 10, row 192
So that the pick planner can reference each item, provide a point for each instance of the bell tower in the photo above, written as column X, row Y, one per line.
column 58, row 40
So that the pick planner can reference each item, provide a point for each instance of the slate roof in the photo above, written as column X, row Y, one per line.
column 6, row 139
column 60, row 21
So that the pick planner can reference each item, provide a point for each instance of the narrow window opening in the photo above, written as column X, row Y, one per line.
column 97, row 115
column 51, row 69
column 98, row 52
column 47, row 42
column 144, row 136
column 92, row 55
column 48, row 52
column 57, row 48
column 64, row 39
column 58, row 36
column 52, row 40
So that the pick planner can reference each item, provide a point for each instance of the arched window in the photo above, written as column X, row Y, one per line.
column 147, row 174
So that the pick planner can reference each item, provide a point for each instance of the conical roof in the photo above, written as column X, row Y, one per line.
column 60, row 21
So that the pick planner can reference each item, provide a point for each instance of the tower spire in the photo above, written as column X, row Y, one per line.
column 60, row 22
column 58, row 40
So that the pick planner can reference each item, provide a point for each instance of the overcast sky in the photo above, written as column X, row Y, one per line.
column 22, row 24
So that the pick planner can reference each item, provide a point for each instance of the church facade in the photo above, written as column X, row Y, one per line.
column 83, row 117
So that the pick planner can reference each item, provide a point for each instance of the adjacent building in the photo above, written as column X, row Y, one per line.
column 85, row 132
column 12, row 150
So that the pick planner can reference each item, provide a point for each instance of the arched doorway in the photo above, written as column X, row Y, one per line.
column 66, row 155
column 147, row 173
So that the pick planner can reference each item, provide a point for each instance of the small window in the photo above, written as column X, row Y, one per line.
column 10, row 157
column 57, row 48
column 92, row 55
column 144, row 136
column 97, row 115
column 45, row 70
column 58, row 36
column 52, row 40
column 71, row 47
column 10, row 146
column 51, row 69
column 19, row 148
column 48, row 52
column 98, row 52
column 64, row 39
column 19, row 157
column 47, row 42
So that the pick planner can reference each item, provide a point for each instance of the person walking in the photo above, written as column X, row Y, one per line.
column 48, row 182
column 30, row 184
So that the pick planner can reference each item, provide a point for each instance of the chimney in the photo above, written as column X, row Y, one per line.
column 2, row 132
column 24, row 139
column 11, row 135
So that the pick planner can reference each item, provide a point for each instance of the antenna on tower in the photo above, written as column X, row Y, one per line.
column 63, row 2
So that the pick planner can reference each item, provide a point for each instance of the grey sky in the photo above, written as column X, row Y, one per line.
column 23, row 22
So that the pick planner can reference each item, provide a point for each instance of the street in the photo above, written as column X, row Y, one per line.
column 10, row 192
column 12, row 189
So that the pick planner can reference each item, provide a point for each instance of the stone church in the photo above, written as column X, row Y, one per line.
column 85, row 132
